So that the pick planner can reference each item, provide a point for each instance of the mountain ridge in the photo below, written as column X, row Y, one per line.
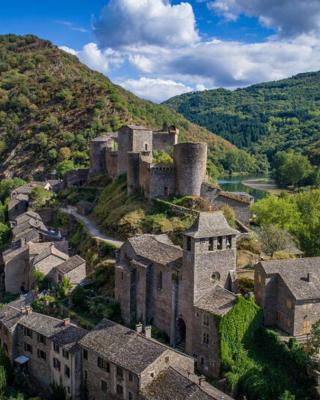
column 262, row 118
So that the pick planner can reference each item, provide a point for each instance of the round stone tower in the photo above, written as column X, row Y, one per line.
column 97, row 155
column 191, row 164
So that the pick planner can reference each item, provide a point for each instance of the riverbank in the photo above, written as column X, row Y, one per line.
column 265, row 185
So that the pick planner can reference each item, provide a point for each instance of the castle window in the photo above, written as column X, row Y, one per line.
column 130, row 396
column 220, row 241
column 41, row 339
column 160, row 280
column 42, row 354
column 56, row 364
column 146, row 147
column 103, row 364
column 205, row 338
column 56, row 348
column 215, row 276
column 67, row 371
column 65, row 354
column 205, row 319
column 189, row 243
column 85, row 354
column 119, row 390
column 229, row 242
column 166, row 191
column 119, row 372
column 27, row 332
column 104, row 386
column 27, row 348
column 211, row 243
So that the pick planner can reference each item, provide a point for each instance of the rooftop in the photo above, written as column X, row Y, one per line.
column 302, row 275
column 210, row 224
column 218, row 301
column 157, row 248
column 70, row 264
column 11, row 313
column 172, row 384
column 122, row 346
column 65, row 335
column 50, row 250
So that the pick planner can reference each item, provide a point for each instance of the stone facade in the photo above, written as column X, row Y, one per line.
column 76, row 178
column 288, row 291
column 181, row 290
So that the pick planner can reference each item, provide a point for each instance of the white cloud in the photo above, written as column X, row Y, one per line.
column 290, row 17
column 69, row 50
column 156, row 90
column 145, row 22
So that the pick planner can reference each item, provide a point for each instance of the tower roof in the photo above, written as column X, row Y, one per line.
column 210, row 224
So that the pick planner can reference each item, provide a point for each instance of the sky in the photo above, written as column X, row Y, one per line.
column 161, row 48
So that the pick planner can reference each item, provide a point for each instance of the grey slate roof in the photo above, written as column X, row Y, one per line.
column 27, row 216
column 210, row 224
column 122, row 346
column 155, row 248
column 218, row 301
column 54, row 329
column 294, row 273
column 70, row 264
column 173, row 385
column 50, row 250
column 11, row 313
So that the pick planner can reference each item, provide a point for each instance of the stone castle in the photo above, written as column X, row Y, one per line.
column 130, row 151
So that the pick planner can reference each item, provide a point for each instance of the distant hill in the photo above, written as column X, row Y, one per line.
column 263, row 118
column 51, row 105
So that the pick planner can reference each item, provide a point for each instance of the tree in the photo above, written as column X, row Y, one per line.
column 64, row 166
column 275, row 239
column 40, row 196
column 42, row 140
column 64, row 153
column 4, row 234
column 7, row 185
column 286, row 395
column 3, row 381
column 313, row 343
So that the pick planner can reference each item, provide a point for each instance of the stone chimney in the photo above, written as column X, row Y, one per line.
column 139, row 328
column 148, row 332
column 28, row 310
column 66, row 322
column 202, row 379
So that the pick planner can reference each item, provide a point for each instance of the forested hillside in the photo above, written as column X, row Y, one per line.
column 263, row 118
column 51, row 105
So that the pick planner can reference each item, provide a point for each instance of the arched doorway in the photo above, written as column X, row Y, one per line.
column 181, row 332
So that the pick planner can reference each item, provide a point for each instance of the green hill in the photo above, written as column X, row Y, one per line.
column 263, row 118
column 51, row 105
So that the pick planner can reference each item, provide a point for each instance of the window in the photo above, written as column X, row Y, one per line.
column 85, row 354
column 104, row 386
column 205, row 319
column 205, row 338
column 146, row 147
column 122, row 276
column 27, row 332
column 189, row 243
column 67, row 371
column 56, row 364
column 119, row 372
column 119, row 390
column 27, row 347
column 41, row 339
column 220, row 241
column 211, row 244
column 215, row 276
column 56, row 348
column 103, row 364
column 202, row 361
column 160, row 280
column 130, row 396
column 65, row 354
column 85, row 375
column 42, row 354
column 229, row 242
column 130, row 377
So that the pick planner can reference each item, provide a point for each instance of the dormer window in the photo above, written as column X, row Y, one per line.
column 219, row 245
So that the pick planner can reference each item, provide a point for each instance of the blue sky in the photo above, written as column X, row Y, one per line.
column 160, row 48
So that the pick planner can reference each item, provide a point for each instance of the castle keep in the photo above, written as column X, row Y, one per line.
column 130, row 151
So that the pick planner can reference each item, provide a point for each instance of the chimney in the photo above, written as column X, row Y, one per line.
column 28, row 310
column 66, row 322
column 23, row 310
column 148, row 332
column 139, row 328
column 202, row 379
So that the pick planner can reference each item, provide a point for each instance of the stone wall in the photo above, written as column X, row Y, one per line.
column 17, row 272
column 111, row 163
column 133, row 172
column 164, row 141
column 162, row 181
column 76, row 178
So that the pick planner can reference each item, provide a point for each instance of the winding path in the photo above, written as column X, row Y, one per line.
column 92, row 227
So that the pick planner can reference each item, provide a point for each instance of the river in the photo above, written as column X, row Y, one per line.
column 235, row 184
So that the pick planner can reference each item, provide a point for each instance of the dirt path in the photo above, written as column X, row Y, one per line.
column 92, row 227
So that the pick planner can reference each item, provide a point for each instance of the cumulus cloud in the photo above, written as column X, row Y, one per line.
column 290, row 17
column 96, row 59
column 145, row 22
column 156, row 90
